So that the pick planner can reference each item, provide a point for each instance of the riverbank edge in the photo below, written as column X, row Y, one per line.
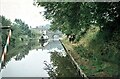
column 73, row 59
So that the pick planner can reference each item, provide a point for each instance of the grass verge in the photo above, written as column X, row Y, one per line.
column 95, row 56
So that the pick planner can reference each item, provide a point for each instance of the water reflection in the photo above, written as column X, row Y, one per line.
column 29, row 60
column 19, row 51
column 63, row 65
column 31, row 66
column 50, row 69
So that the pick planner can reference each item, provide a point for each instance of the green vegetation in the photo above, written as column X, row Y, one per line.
column 97, row 29
column 21, row 50
column 103, row 56
column 77, row 17
column 22, row 39
column 20, row 31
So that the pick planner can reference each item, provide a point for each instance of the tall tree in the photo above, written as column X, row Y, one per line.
column 81, row 15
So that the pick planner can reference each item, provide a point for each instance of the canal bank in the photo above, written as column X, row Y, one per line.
column 70, row 52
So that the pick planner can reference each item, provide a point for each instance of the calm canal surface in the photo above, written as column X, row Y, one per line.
column 31, row 60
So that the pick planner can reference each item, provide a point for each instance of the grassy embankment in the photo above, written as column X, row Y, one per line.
column 95, row 55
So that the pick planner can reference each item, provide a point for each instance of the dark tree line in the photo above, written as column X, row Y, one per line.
column 77, row 17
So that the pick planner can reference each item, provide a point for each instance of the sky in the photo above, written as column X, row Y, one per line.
column 24, row 10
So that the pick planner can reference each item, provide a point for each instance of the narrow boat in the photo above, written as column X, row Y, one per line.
column 43, row 40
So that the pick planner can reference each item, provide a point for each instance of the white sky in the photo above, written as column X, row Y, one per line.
column 24, row 10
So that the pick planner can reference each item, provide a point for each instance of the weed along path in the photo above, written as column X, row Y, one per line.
column 88, row 67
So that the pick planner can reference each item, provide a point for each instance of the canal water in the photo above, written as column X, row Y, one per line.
column 32, row 60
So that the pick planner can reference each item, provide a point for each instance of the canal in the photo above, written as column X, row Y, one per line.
column 31, row 60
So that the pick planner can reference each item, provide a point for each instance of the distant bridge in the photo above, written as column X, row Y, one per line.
column 51, row 34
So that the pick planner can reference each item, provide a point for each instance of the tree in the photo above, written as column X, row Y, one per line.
column 80, row 15
column 62, row 13
column 107, row 14
column 24, row 27
column 4, row 21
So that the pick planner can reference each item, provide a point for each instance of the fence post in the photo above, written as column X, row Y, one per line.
column 5, row 45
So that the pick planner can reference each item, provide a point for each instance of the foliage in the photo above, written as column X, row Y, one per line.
column 24, row 27
column 4, row 21
column 62, row 14
column 73, row 17
column 19, row 28
column 103, row 54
